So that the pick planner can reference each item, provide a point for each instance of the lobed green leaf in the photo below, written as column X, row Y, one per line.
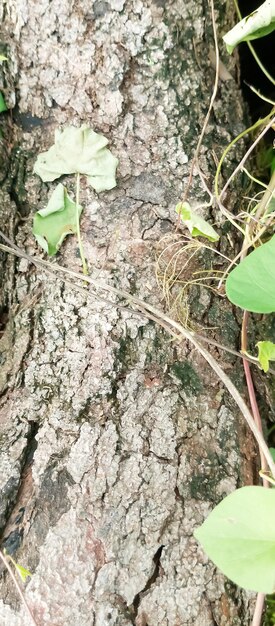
column 52, row 224
column 79, row 150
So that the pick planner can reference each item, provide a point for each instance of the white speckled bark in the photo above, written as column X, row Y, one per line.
column 131, row 452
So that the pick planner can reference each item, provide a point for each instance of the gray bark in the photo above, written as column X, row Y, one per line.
column 115, row 444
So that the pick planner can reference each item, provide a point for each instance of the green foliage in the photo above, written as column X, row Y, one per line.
column 52, row 224
column 75, row 151
column 239, row 537
column 269, row 618
column 258, row 24
column 196, row 225
column 22, row 571
column 266, row 353
column 79, row 151
column 251, row 285
column 3, row 106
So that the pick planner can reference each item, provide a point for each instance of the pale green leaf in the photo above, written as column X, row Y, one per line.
column 239, row 537
column 52, row 224
column 251, row 285
column 266, row 353
column 2, row 58
column 3, row 106
column 258, row 24
column 79, row 150
column 196, row 225
column 22, row 571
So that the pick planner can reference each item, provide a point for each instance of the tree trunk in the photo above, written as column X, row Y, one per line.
column 115, row 443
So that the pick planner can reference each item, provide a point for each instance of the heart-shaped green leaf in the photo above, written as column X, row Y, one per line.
column 258, row 24
column 196, row 225
column 52, row 224
column 251, row 285
column 79, row 150
column 239, row 537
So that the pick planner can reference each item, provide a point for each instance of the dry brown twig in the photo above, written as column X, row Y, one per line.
column 166, row 322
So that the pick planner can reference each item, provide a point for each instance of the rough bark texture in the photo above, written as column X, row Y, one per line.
column 114, row 443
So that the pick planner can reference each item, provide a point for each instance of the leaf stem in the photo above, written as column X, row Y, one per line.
column 251, row 392
column 267, row 124
column 258, row 612
column 266, row 198
column 211, row 104
column 81, row 251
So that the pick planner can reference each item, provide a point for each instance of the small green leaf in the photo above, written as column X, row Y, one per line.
column 258, row 24
column 239, row 537
column 272, row 452
column 52, row 224
column 79, row 150
column 2, row 58
column 251, row 285
column 23, row 573
column 3, row 106
column 266, row 353
column 196, row 225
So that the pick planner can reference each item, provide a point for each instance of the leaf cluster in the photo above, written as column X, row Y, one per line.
column 78, row 151
column 239, row 534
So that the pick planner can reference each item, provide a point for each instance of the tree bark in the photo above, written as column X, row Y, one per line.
column 115, row 443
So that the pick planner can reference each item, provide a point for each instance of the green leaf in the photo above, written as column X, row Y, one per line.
column 251, row 285
column 272, row 452
column 2, row 58
column 3, row 106
column 266, row 353
column 79, row 150
column 258, row 24
column 52, row 224
column 196, row 225
column 239, row 537
column 23, row 573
